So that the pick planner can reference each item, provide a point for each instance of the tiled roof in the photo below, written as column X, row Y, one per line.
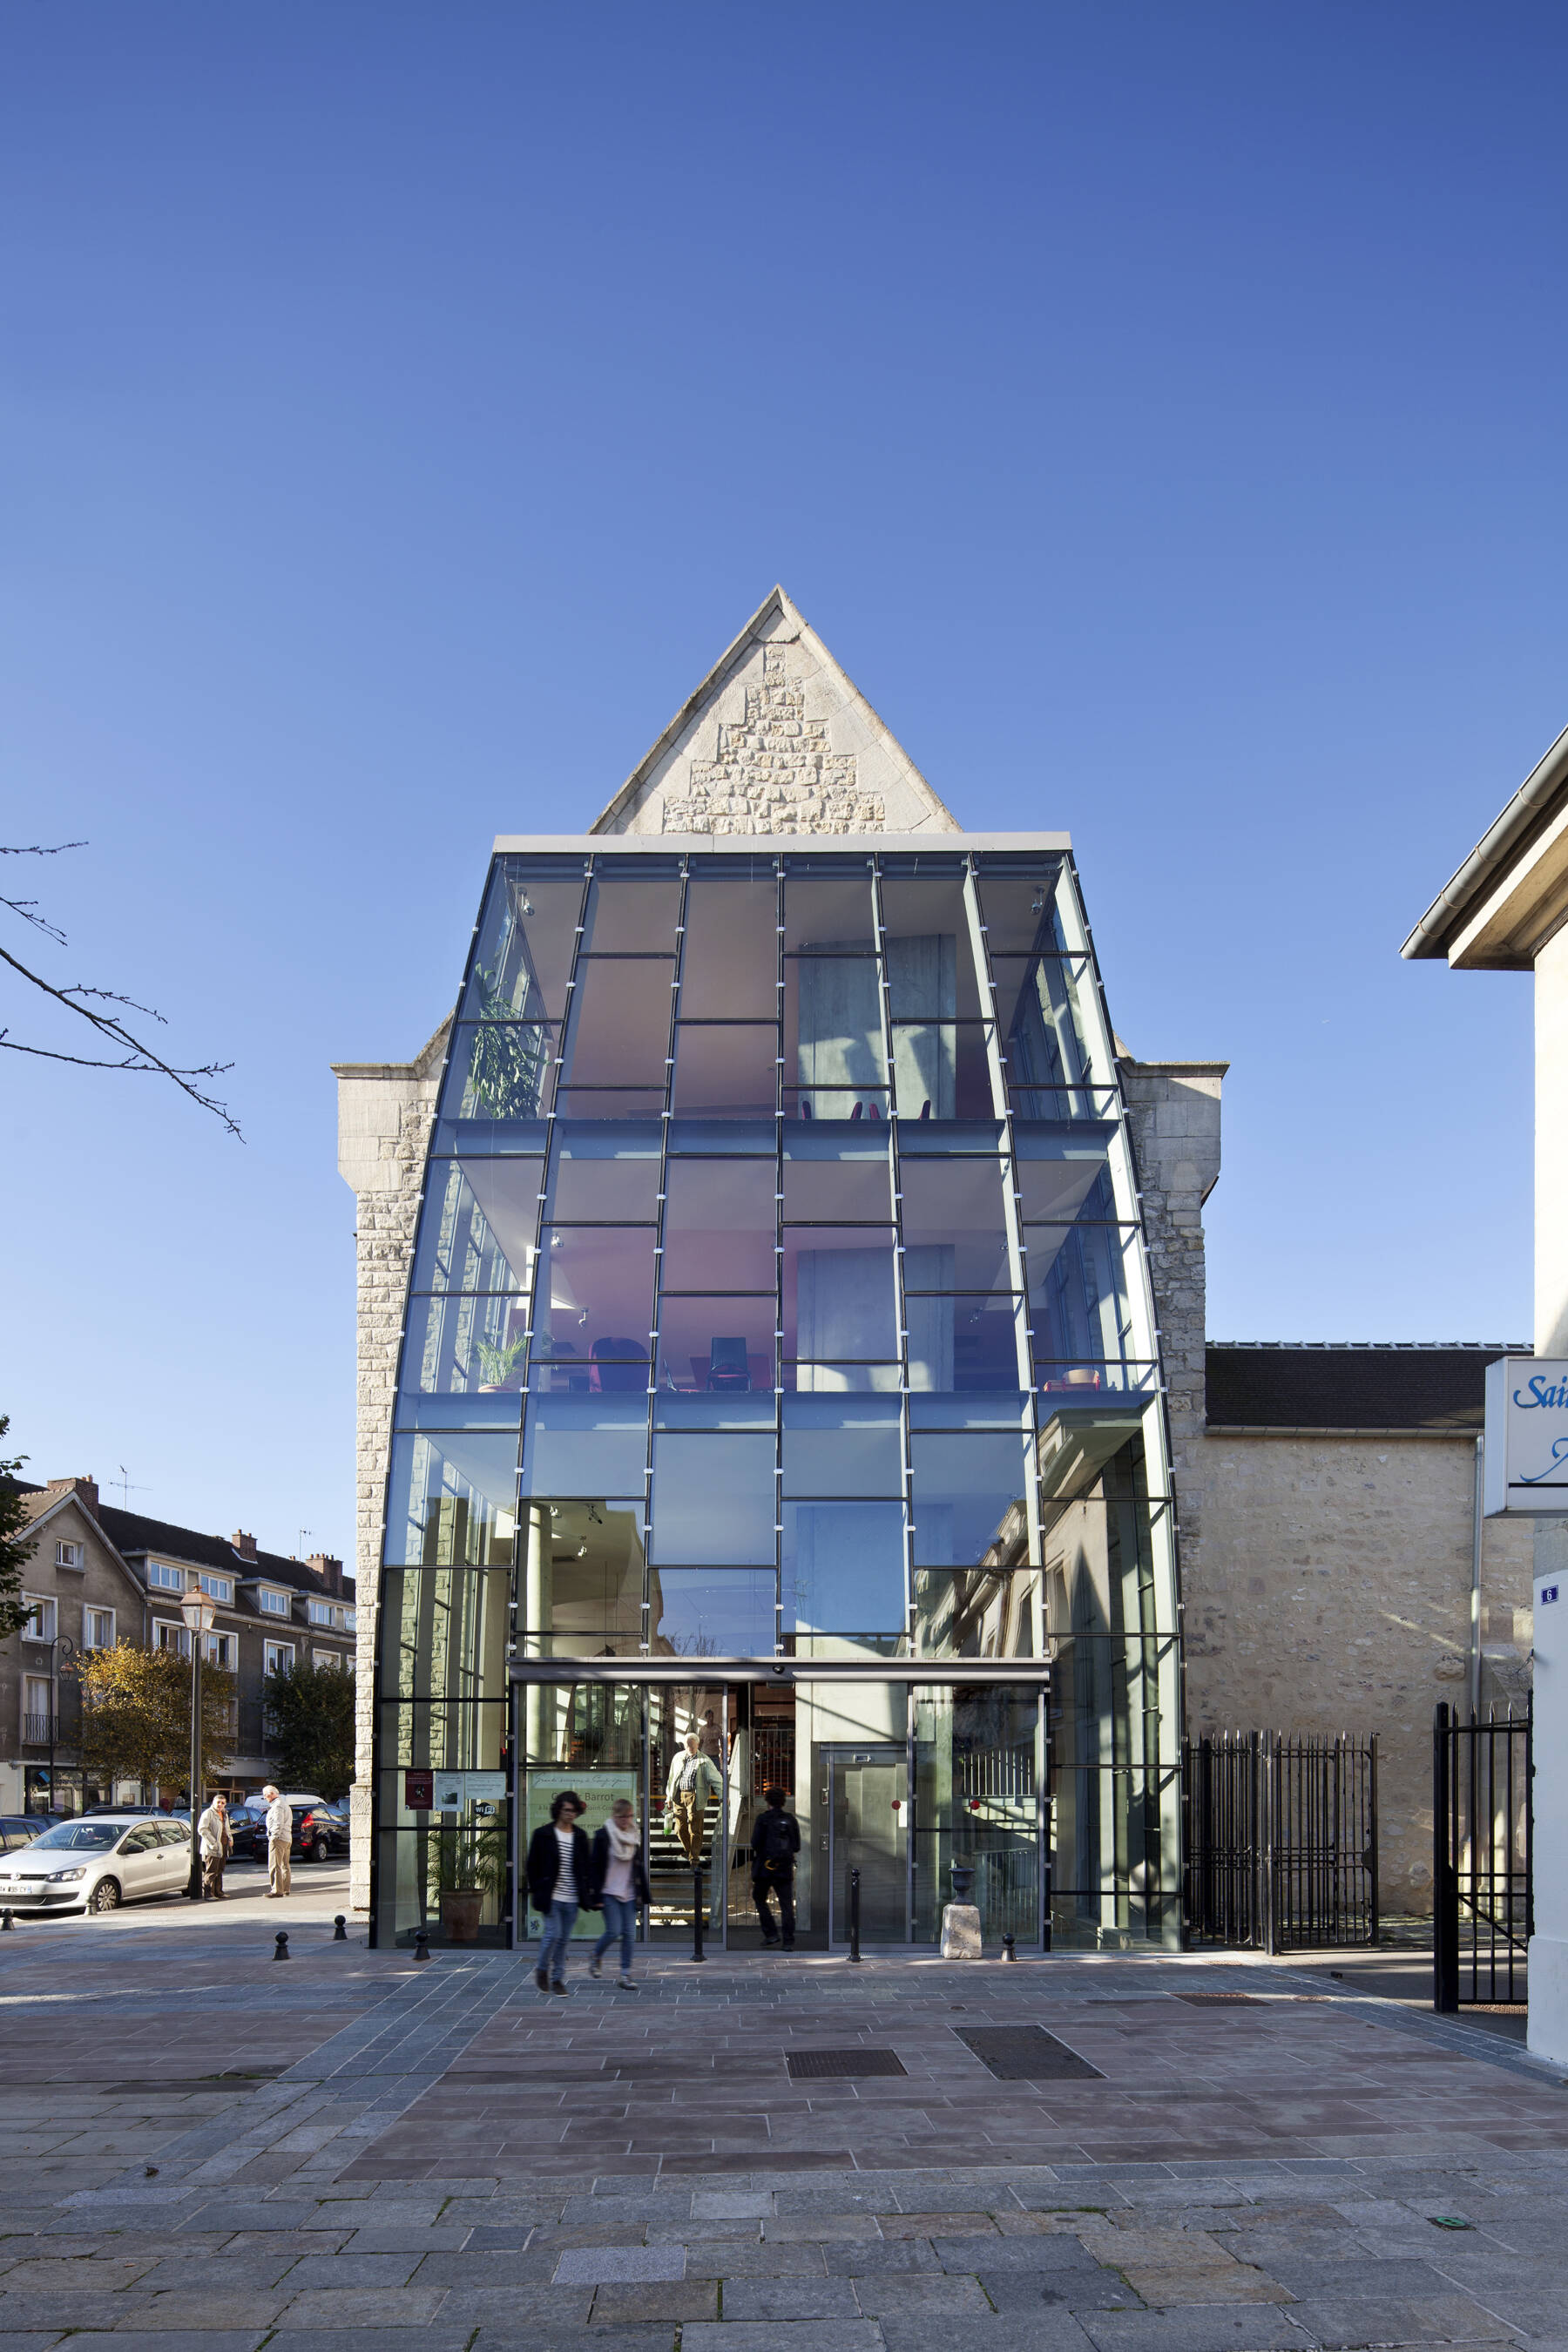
column 132, row 1534
column 1286, row 1385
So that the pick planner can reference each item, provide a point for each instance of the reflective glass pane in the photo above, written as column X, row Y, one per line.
column 966, row 1489
column 619, row 1035
column 579, row 1573
column 603, row 1175
column 443, row 1633
column 593, row 1303
column 527, row 933
column 923, row 1140
column 476, row 1227
column 836, row 1175
column 941, row 1070
column 466, row 1347
column 977, row 1612
column 701, row 1137
column 952, row 1224
column 633, row 913
column 501, row 1070
column 714, row 1408
column 844, row 1568
column 832, row 1035
column 838, row 1294
column 725, row 1070
column 926, row 940
column 1019, row 908
column 723, row 1612
column 1056, row 1186
column 451, row 1735
column 729, row 970
column 975, row 1804
column 723, row 1345
column 584, row 1445
column 837, row 1445
column 970, row 1341
column 1079, row 1287
column 452, row 1499
column 719, row 1225
column 828, row 909
column 1043, row 1036
column 713, row 1501
column 631, row 1103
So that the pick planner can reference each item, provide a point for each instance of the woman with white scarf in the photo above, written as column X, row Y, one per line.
column 620, row 1884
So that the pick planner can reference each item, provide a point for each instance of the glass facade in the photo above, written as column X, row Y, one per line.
column 778, row 1319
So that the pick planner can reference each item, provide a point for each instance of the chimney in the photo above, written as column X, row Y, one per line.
column 86, row 1488
column 244, row 1545
column 329, row 1569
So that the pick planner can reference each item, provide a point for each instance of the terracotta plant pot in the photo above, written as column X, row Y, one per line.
column 461, row 1908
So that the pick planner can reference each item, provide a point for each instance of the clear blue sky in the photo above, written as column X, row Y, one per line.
column 1158, row 410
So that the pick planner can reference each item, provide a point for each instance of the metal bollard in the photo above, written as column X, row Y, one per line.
column 421, row 1944
column 855, row 1917
column 1009, row 1950
column 7, row 1925
column 697, row 1951
column 280, row 1945
column 340, row 1928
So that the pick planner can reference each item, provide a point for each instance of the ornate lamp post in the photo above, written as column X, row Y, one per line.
column 198, row 1610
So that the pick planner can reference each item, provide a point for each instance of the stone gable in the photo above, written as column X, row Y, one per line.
column 773, row 772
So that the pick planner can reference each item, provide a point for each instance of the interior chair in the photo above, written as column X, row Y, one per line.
column 727, row 1365
column 618, row 1364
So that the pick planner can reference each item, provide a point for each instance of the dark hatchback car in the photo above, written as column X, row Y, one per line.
column 20, row 1829
column 319, row 1832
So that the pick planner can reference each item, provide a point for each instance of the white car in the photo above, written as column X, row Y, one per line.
column 96, row 1863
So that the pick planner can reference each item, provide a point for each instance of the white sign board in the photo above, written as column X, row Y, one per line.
column 1527, row 1437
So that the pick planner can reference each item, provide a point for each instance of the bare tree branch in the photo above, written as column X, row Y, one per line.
column 26, row 909
column 137, row 1056
column 37, row 849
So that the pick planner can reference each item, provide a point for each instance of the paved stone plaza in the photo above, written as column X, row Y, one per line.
column 205, row 2147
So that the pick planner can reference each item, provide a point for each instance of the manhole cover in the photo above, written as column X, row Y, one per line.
column 1026, row 2053
column 803, row 2063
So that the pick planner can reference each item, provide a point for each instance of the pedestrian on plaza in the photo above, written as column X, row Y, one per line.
column 559, row 1872
column 693, row 1778
column 775, row 1842
column 279, row 1843
column 215, row 1840
column 620, row 1884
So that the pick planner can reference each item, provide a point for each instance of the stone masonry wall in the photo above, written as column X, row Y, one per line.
column 773, row 772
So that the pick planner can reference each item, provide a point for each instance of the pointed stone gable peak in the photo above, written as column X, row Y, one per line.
column 776, row 739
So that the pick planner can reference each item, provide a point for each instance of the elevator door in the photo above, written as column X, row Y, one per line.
column 869, row 1807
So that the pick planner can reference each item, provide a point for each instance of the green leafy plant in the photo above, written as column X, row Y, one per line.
column 310, row 1717
column 16, row 1547
column 466, row 1861
column 506, row 1060
column 498, row 1364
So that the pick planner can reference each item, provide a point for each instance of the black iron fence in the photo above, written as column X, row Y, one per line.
column 1482, row 1857
column 1281, row 1839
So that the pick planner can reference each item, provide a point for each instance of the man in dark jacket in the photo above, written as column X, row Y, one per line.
column 775, row 1842
column 560, row 1875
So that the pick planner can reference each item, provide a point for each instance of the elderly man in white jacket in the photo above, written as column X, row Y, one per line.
column 279, row 1841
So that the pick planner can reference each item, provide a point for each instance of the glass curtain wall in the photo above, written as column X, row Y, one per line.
column 779, row 1290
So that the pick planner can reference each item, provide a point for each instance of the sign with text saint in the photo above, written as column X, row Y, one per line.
column 1527, row 1437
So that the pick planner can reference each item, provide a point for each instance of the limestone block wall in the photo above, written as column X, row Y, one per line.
column 384, row 1111
column 771, row 771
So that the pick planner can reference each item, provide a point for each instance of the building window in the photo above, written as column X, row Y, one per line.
column 321, row 1613
column 68, row 1555
column 220, row 1649
column 217, row 1588
column 171, row 1637
column 98, row 1629
column 276, row 1657
column 163, row 1579
column 39, row 1622
column 37, row 1708
column 325, row 1658
column 276, row 1604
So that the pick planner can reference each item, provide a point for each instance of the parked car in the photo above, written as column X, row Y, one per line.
column 20, row 1829
column 320, row 1830
column 96, row 1863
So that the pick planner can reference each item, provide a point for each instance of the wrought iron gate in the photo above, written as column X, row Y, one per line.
column 1483, row 1890
column 1281, row 1839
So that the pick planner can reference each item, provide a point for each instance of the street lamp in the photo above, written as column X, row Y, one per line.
column 198, row 1610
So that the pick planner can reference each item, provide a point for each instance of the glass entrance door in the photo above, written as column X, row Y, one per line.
column 868, row 1808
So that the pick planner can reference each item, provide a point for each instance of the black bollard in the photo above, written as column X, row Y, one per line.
column 7, row 1925
column 855, row 1917
column 280, row 1945
column 340, row 1928
column 697, row 1951
column 1009, row 1950
column 421, row 1944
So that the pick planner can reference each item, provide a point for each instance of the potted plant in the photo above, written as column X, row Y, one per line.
column 465, row 1865
column 507, row 1059
column 498, row 1364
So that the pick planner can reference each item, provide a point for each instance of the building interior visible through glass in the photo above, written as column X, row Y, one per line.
column 779, row 1298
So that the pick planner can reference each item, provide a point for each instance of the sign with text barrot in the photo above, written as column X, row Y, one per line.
column 1527, row 1437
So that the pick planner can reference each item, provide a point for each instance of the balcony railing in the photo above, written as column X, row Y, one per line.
column 38, row 1730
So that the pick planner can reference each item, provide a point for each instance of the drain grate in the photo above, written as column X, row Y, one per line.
column 1208, row 1999
column 1026, row 2053
column 845, row 2064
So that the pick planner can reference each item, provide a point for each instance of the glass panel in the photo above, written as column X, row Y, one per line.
column 952, row 1224
column 527, row 933
column 1049, row 1071
column 465, row 1346
column 1078, row 1288
column 729, row 970
column 833, row 1046
column 689, row 1741
column 638, row 1103
column 976, row 1803
column 941, row 1070
column 869, row 1810
column 452, row 1499
column 495, row 1138
column 580, row 1582
column 633, row 913
column 601, row 1177
column 977, row 1612
column 844, row 1568
column 443, row 1633
column 723, row 1345
column 828, row 909
column 926, row 940
column 702, row 1138
column 838, row 1295
column 979, row 1409
column 721, row 1612
column 725, row 1070
column 921, row 1139
column 619, row 1035
column 501, row 1070
column 1054, row 1187
column 836, row 1175
column 718, row 1226
column 834, row 1445
column 1018, row 907
column 714, row 1408
column 476, row 1227
column 594, row 1725
column 966, row 1490
column 594, row 1305
column 583, row 1445
column 713, row 1501
column 971, row 1342
column 453, row 1736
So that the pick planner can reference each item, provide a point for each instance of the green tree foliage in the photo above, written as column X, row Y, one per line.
column 136, row 1715
column 16, row 1549
column 310, row 1717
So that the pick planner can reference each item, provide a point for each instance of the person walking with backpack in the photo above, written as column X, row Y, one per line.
column 560, row 1873
column 775, row 1842
column 620, row 1884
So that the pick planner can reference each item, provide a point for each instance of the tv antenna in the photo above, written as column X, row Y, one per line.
column 127, row 1486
